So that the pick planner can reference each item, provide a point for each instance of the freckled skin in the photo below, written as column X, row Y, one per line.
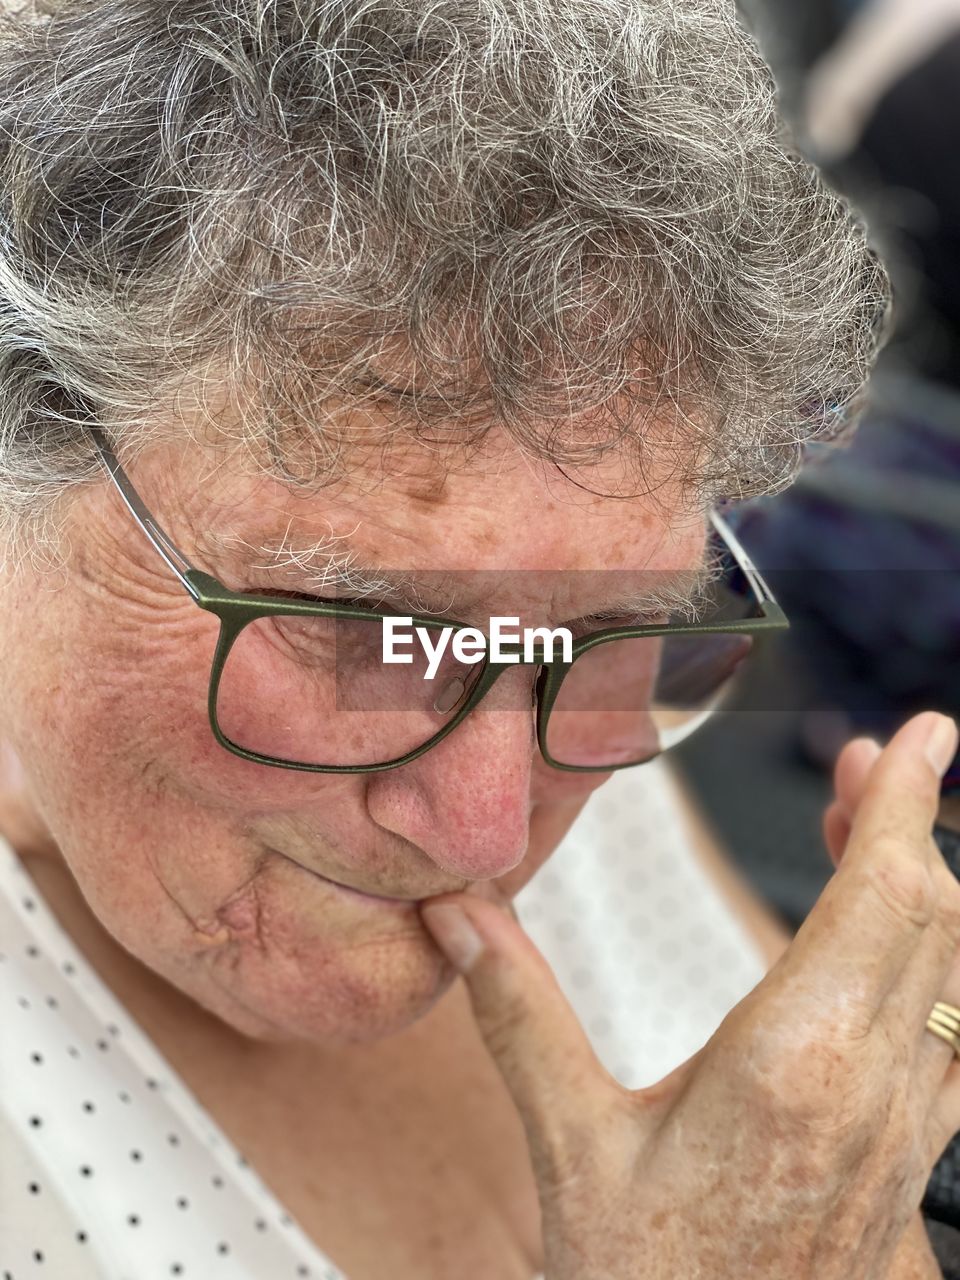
column 198, row 862
column 792, row 1146
column 798, row 1141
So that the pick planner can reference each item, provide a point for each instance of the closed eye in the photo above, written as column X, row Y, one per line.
column 280, row 593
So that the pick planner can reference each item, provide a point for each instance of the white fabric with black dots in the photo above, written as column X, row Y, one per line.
column 111, row 1170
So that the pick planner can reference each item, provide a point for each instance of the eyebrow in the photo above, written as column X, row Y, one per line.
column 327, row 568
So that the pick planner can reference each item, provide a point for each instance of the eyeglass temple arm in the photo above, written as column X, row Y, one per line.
column 173, row 556
column 739, row 552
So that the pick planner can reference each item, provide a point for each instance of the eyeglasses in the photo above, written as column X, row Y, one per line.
column 302, row 684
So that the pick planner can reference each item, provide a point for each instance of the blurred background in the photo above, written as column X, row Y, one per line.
column 864, row 551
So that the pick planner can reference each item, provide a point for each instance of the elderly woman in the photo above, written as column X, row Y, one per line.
column 316, row 315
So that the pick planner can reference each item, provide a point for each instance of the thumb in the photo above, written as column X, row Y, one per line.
column 560, row 1089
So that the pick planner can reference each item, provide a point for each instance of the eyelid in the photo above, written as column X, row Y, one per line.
column 368, row 604
column 372, row 606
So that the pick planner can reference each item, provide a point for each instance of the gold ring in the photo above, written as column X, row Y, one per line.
column 944, row 1021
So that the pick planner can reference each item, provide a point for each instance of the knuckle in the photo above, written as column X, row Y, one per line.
column 827, row 1109
column 795, row 1075
column 817, row 1067
column 948, row 901
column 902, row 887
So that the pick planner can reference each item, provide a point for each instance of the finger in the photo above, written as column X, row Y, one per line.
column 851, row 772
column 914, row 1257
column 936, row 1072
column 556, row 1081
column 836, row 831
column 944, row 1119
column 869, row 919
column 931, row 974
column 850, row 778
column 902, row 792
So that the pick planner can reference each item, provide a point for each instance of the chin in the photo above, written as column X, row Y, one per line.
column 357, row 995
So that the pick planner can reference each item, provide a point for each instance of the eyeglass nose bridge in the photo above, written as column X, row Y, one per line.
column 450, row 696
column 456, row 690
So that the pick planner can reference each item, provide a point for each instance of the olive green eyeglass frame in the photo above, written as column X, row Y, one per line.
column 235, row 609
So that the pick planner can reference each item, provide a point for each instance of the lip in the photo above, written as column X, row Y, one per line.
column 481, row 889
column 377, row 898
column 365, row 895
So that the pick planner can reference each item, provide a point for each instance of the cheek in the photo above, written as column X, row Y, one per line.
column 280, row 694
column 154, row 818
column 118, row 706
column 161, row 828
column 126, row 727
column 313, row 690
column 309, row 965
column 128, row 776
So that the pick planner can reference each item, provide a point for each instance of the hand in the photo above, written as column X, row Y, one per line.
column 914, row 1258
column 799, row 1140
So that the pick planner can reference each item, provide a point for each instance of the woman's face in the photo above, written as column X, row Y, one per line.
column 285, row 901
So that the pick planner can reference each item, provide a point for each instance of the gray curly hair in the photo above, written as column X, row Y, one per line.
column 575, row 219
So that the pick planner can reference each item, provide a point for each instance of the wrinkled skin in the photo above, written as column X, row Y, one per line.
column 798, row 1141
column 218, row 873
column 795, row 1144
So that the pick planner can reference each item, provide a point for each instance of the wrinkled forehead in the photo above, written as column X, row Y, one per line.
column 497, row 525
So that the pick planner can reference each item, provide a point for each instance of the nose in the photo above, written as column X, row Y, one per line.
column 466, row 803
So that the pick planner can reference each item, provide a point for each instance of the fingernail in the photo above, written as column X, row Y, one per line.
column 941, row 743
column 453, row 933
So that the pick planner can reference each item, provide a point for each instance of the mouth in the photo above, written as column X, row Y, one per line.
column 395, row 901
column 378, row 899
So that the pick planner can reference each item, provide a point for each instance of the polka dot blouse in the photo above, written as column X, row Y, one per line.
column 110, row 1169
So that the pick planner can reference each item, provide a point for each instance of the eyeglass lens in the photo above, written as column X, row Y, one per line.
column 315, row 690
